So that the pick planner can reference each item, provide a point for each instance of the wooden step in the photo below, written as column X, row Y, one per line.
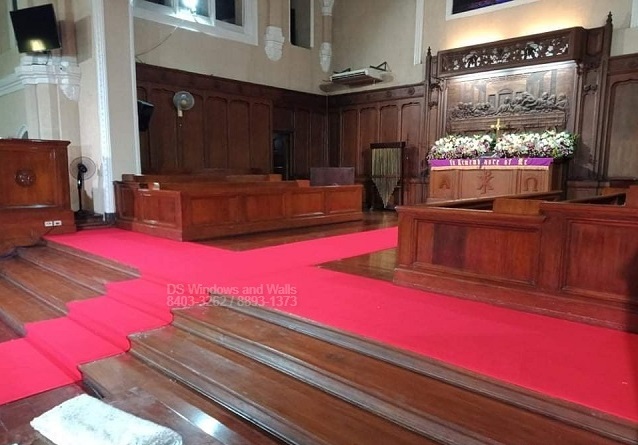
column 115, row 375
column 387, row 390
column 111, row 264
column 51, row 288
column 294, row 411
column 410, row 390
column 83, row 271
column 18, row 307
column 7, row 333
column 143, row 405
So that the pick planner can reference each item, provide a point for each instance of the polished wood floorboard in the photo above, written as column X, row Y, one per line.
column 378, row 265
column 371, row 221
column 16, row 416
column 6, row 333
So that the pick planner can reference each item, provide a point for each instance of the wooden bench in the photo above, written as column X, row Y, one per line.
column 195, row 210
column 488, row 202
column 576, row 260
column 202, row 177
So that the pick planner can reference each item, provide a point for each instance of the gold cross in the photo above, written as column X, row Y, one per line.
column 497, row 127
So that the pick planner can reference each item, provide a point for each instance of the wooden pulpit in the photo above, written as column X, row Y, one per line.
column 34, row 191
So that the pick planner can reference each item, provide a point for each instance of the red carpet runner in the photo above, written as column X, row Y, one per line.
column 591, row 366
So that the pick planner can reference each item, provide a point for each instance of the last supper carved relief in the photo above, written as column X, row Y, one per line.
column 524, row 101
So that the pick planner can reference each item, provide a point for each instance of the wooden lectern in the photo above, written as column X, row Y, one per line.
column 34, row 191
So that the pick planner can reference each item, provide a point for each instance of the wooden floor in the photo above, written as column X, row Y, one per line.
column 15, row 417
column 371, row 221
column 378, row 265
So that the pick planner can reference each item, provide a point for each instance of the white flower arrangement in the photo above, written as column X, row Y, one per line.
column 549, row 144
column 458, row 147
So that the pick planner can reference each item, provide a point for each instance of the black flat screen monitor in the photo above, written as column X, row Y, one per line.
column 35, row 29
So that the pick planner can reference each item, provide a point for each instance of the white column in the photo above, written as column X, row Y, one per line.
column 107, row 204
column 634, row 14
column 418, row 32
column 325, row 52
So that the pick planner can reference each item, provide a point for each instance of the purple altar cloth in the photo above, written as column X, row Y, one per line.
column 491, row 162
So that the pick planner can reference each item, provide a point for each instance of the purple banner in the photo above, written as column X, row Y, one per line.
column 492, row 162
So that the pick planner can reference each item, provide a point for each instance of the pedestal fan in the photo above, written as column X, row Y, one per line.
column 81, row 168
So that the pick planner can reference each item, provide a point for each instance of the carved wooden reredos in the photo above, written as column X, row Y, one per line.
column 546, row 81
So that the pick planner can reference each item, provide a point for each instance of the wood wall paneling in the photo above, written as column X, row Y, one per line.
column 623, row 132
column 260, row 137
column 350, row 138
column 216, row 115
column 144, row 136
column 389, row 123
column 301, row 144
column 238, row 134
column 230, row 125
column 411, row 123
column 164, row 152
column 334, row 139
column 283, row 119
column 394, row 114
column 191, row 136
column 368, row 134
column 318, row 149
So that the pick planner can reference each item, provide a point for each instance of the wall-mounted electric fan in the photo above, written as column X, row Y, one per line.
column 183, row 100
column 81, row 168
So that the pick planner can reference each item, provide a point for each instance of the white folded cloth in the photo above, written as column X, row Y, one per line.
column 85, row 420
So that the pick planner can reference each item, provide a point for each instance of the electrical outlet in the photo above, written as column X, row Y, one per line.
column 57, row 223
column 48, row 223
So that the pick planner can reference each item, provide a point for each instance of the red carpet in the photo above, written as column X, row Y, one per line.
column 24, row 371
column 591, row 366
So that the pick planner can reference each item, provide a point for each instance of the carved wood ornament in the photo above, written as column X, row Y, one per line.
column 25, row 177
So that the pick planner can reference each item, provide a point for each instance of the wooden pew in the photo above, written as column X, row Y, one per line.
column 195, row 210
column 487, row 202
column 572, row 260
column 202, row 177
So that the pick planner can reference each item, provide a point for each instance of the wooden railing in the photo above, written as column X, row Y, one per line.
column 570, row 259
column 194, row 210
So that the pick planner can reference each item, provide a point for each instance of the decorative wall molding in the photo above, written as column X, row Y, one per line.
column 63, row 72
column 326, row 7
column 325, row 56
column 23, row 132
column 274, row 45
column 10, row 84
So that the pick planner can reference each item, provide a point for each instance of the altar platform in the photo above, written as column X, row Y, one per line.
column 485, row 177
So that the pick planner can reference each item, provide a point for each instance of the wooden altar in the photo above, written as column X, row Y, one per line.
column 484, row 177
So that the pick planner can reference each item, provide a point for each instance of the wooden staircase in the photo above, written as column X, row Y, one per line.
column 232, row 374
column 245, row 374
column 36, row 283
